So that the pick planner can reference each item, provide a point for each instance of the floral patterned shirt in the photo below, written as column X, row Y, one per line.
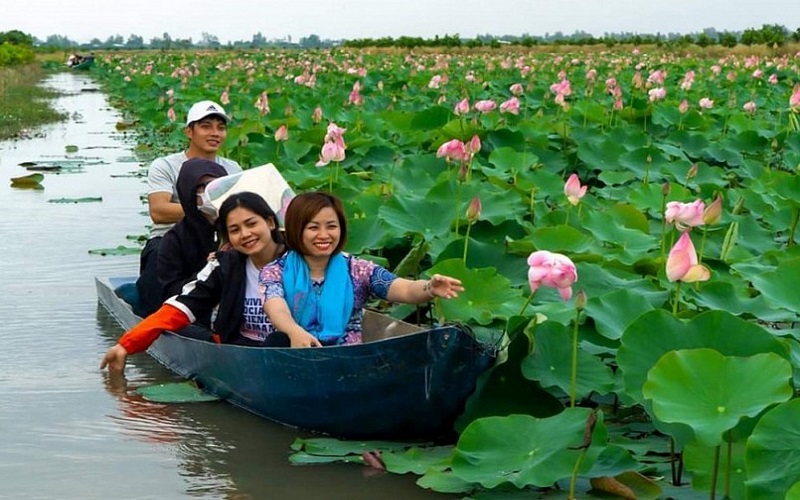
column 369, row 280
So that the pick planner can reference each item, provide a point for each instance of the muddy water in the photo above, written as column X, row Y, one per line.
column 67, row 431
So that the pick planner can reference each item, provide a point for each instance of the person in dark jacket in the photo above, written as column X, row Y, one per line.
column 228, row 282
column 185, row 248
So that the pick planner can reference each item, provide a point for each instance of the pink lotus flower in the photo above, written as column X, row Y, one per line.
column 453, row 151
column 510, row 106
column 462, row 107
column 657, row 94
column 749, row 107
column 334, row 132
column 682, row 263
column 485, row 106
column 706, row 103
column 355, row 98
column 683, row 107
column 552, row 270
column 794, row 100
column 574, row 190
column 331, row 151
column 685, row 215
column 516, row 89
column 262, row 104
column 282, row 134
column 773, row 79
column 171, row 115
column 224, row 99
column 473, row 146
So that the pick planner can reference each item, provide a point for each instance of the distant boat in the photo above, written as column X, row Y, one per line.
column 80, row 63
column 404, row 382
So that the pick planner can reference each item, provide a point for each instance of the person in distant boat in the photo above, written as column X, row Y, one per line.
column 229, row 283
column 184, row 250
column 206, row 129
column 315, row 294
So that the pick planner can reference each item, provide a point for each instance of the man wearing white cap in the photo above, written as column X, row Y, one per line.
column 206, row 129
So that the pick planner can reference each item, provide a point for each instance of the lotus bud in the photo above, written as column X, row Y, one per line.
column 713, row 212
column 474, row 209
column 580, row 300
column 665, row 188
column 692, row 173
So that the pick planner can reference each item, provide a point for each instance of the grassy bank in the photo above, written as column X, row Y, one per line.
column 24, row 105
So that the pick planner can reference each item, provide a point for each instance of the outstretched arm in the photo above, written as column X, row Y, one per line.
column 277, row 310
column 139, row 338
column 419, row 291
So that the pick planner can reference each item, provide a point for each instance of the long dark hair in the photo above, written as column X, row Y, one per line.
column 253, row 202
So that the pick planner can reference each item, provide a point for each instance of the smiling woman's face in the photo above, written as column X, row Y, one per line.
column 248, row 232
column 321, row 234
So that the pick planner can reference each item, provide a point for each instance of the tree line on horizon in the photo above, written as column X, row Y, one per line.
column 773, row 35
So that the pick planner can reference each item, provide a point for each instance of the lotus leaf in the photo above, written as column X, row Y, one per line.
column 527, row 451
column 772, row 456
column 550, row 364
column 711, row 392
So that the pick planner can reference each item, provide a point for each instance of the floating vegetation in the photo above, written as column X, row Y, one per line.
column 71, row 148
column 120, row 250
column 28, row 181
column 175, row 392
column 91, row 199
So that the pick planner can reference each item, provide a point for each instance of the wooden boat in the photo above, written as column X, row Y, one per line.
column 84, row 64
column 403, row 382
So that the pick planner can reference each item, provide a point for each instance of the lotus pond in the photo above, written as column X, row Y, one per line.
column 671, row 370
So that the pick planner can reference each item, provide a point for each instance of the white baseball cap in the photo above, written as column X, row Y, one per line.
column 200, row 110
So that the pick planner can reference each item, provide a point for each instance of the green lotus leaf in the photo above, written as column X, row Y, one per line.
column 601, row 155
column 596, row 281
column 486, row 294
column 303, row 458
column 699, row 460
column 794, row 492
column 613, row 312
column 734, row 298
column 483, row 254
column 711, row 392
column 498, row 390
column 91, row 199
column 550, row 364
column 120, row 250
column 510, row 161
column 773, row 452
column 432, row 118
column 657, row 332
column 778, row 286
column 561, row 239
column 332, row 447
column 444, row 482
column 527, row 451
column 613, row 460
column 424, row 217
column 624, row 244
column 417, row 460
column 175, row 392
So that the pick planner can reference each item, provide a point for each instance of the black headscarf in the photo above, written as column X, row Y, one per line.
column 185, row 248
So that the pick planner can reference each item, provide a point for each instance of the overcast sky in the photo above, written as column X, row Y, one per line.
column 82, row 20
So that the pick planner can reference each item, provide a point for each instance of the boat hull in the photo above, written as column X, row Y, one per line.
column 412, row 386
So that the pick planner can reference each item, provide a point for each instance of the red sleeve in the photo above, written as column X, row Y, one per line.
column 139, row 338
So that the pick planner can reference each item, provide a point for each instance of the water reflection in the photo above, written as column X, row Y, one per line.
column 228, row 451
column 68, row 431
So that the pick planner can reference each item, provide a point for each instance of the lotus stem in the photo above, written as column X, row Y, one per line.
column 574, row 478
column 714, row 474
column 527, row 303
column 466, row 242
column 574, row 374
column 728, row 467
column 663, row 225
column 702, row 244
column 793, row 227
column 677, row 299
column 569, row 209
